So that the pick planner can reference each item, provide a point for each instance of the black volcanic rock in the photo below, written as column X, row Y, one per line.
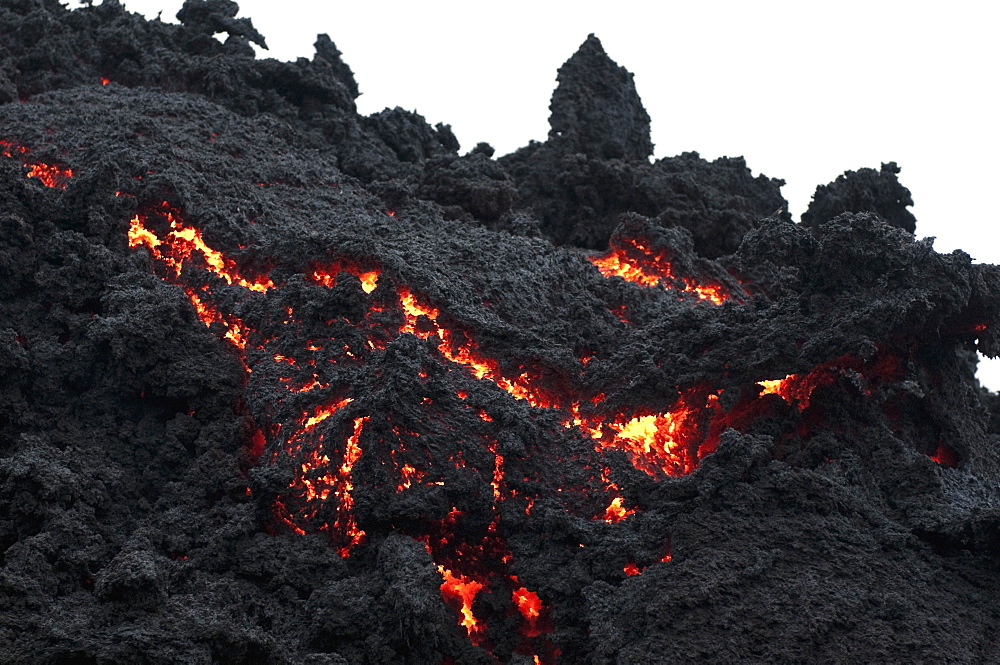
column 284, row 384
column 864, row 190
column 327, row 51
column 595, row 166
column 209, row 17
column 596, row 110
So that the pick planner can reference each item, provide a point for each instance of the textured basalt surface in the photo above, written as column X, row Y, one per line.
column 280, row 383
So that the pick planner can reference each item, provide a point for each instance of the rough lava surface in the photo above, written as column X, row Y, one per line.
column 281, row 383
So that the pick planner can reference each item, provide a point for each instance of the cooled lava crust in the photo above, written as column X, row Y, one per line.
column 286, row 384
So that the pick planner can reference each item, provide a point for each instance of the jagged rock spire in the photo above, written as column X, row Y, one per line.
column 596, row 109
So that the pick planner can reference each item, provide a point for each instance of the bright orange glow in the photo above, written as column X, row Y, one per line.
column 530, row 606
column 138, row 234
column 187, row 239
column 464, row 352
column 590, row 427
column 176, row 248
column 323, row 412
column 310, row 385
column 369, row 281
column 616, row 512
column 797, row 389
column 413, row 309
column 50, row 175
column 661, row 440
column 315, row 482
column 327, row 275
column 635, row 263
column 497, row 471
column 408, row 475
column 460, row 592
column 208, row 315
column 773, row 386
column 47, row 174
column 661, row 444
column 105, row 81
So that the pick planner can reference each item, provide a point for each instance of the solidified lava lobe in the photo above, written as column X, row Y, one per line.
column 398, row 424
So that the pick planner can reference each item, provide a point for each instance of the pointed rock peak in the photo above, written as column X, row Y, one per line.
column 596, row 109
column 327, row 51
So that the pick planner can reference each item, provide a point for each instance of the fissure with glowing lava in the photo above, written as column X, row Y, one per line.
column 327, row 440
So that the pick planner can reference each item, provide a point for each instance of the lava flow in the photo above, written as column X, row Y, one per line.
column 284, row 383
column 327, row 441
column 662, row 444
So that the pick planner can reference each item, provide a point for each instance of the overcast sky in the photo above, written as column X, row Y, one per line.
column 802, row 90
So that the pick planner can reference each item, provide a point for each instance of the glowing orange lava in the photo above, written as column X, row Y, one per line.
column 616, row 511
column 797, row 389
column 663, row 443
column 49, row 175
column 326, row 275
column 461, row 350
column 208, row 314
column 530, row 606
column 460, row 592
column 315, row 481
column 176, row 248
column 634, row 262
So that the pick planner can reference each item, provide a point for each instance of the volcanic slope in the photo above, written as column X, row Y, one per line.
column 284, row 384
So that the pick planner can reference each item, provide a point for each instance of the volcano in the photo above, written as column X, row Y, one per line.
column 282, row 383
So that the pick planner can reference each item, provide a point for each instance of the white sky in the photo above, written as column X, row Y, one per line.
column 802, row 90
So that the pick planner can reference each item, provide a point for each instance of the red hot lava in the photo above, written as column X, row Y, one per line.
column 634, row 262
column 49, row 175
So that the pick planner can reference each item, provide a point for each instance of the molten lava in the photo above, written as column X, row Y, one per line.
column 460, row 592
column 796, row 389
column 661, row 443
column 180, row 242
column 326, row 275
column 49, row 175
column 634, row 262
column 616, row 511
column 530, row 606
